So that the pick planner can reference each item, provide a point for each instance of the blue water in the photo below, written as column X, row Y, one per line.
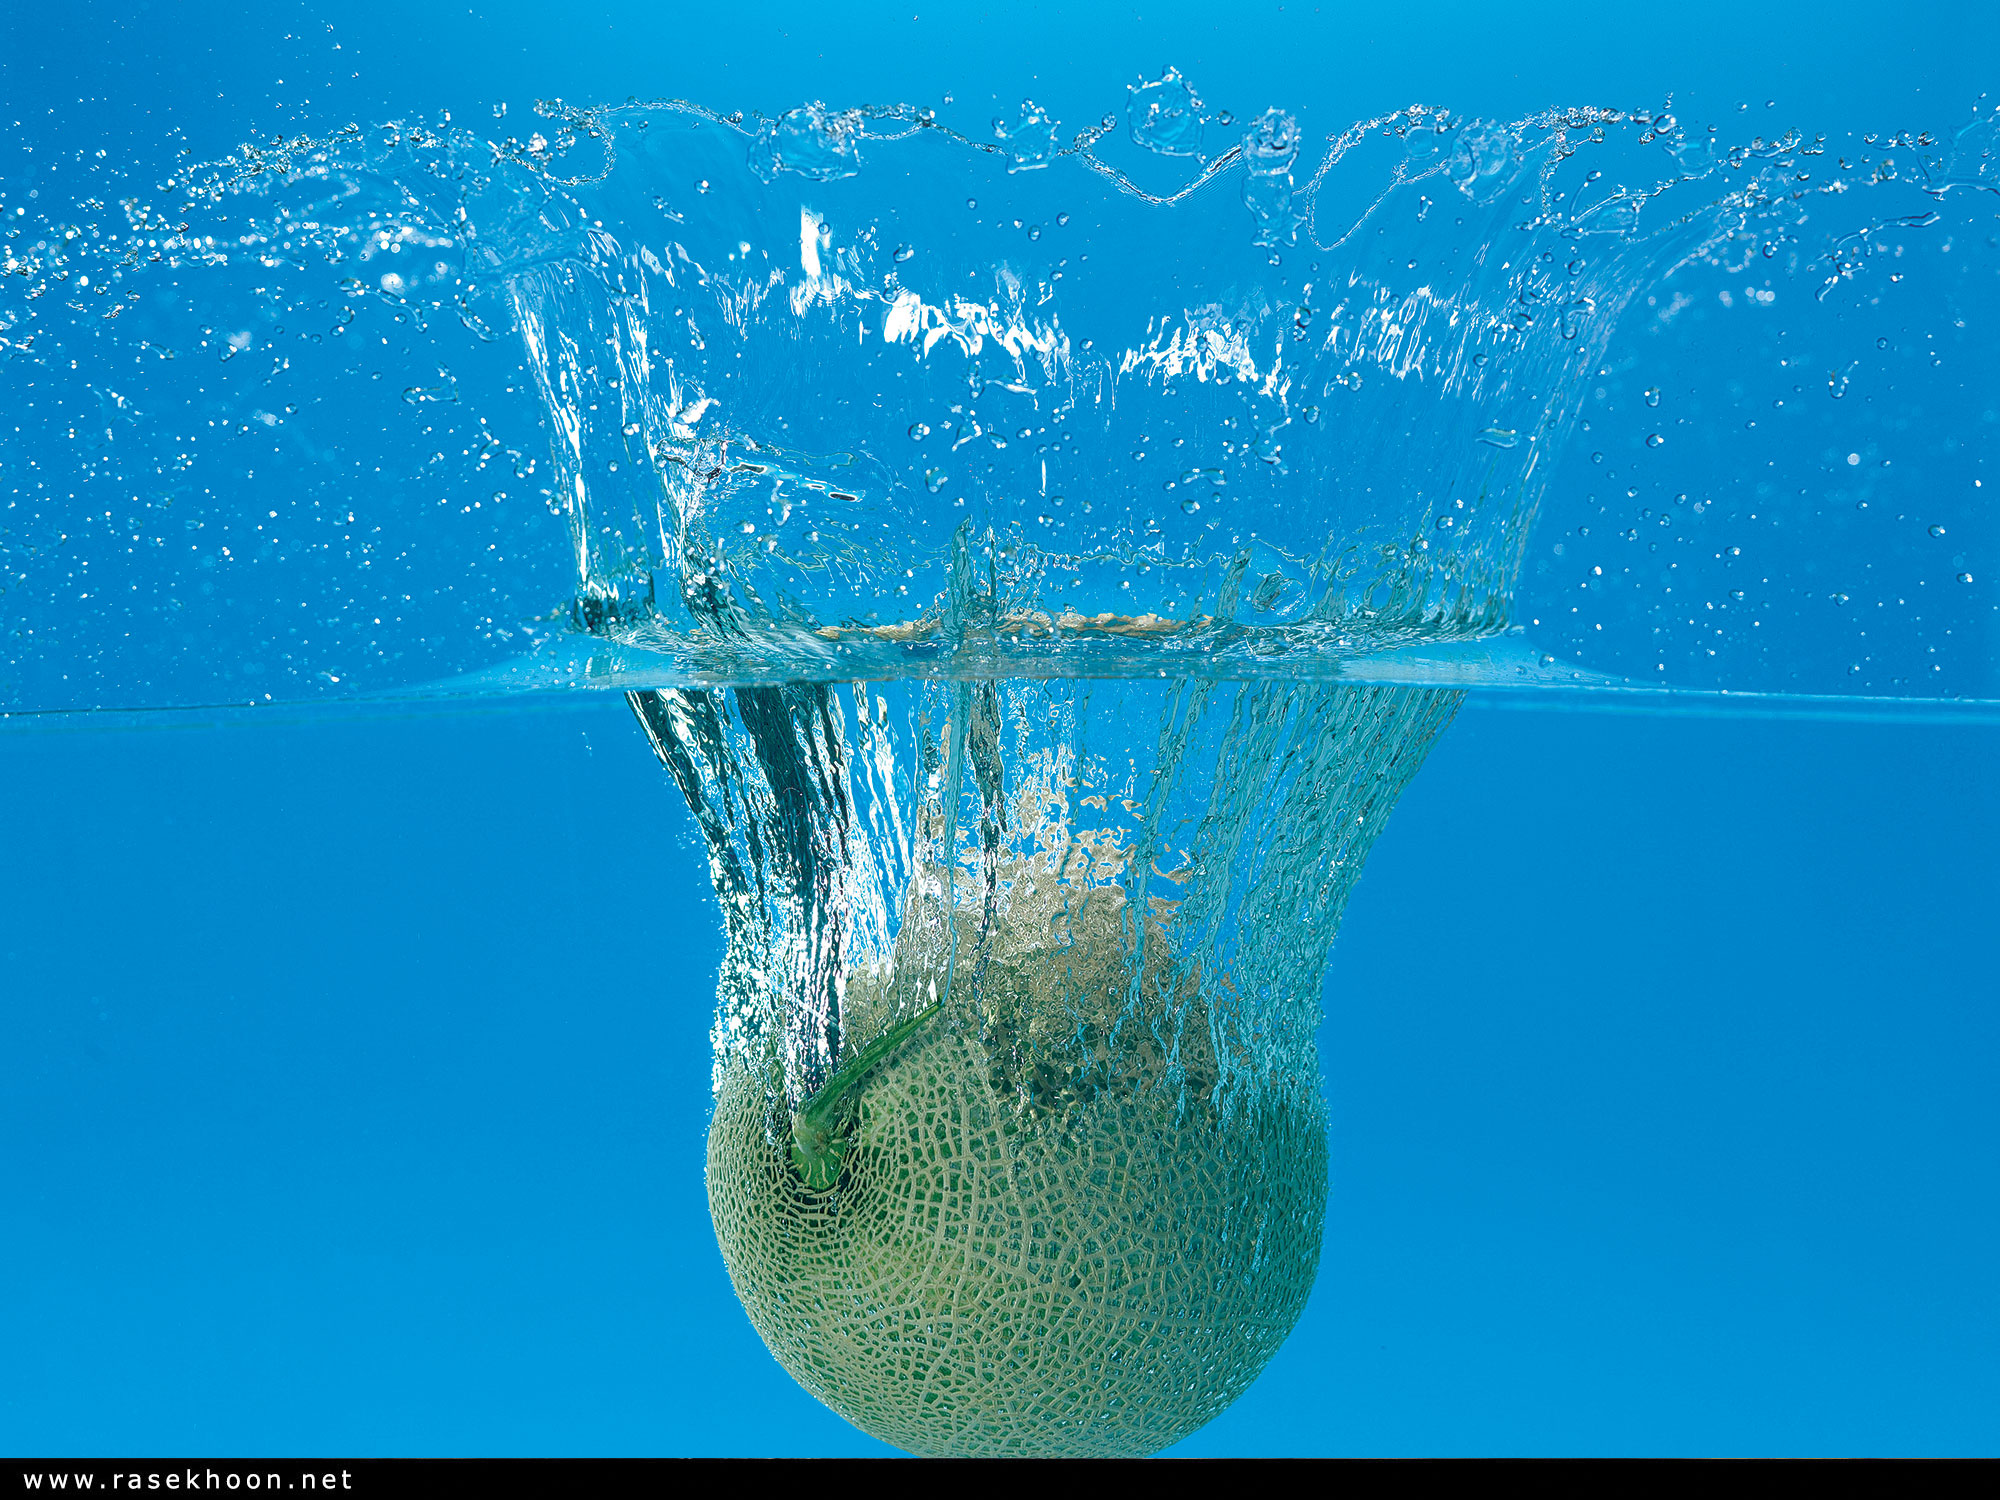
column 356, row 1068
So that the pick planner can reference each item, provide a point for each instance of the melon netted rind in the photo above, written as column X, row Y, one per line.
column 1094, row 1276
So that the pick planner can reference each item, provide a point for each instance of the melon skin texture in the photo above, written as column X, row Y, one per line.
column 1093, row 1271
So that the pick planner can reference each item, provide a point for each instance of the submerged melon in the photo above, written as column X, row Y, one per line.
column 1018, row 1255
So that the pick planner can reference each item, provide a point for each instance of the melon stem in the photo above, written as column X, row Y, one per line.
column 818, row 1142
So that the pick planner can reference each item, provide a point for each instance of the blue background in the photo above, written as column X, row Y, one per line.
column 353, row 1076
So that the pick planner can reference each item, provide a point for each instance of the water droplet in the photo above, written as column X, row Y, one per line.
column 1882, row 343
column 1190, row 505
column 1654, row 440
column 902, row 253
column 919, row 431
column 1445, row 523
column 1166, row 115
column 702, row 186
column 1137, row 454
column 1838, row 598
column 1030, row 141
column 1737, row 595
column 1025, row 432
column 748, row 528
column 499, row 495
column 1733, row 551
column 1034, row 231
column 612, row 467
column 1311, row 414
column 1965, row 578
column 1061, row 219
column 632, row 429
column 1597, row 458
column 935, row 479
column 1937, row 531
column 1653, row 396
column 972, row 203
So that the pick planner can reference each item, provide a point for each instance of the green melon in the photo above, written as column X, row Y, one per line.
column 1026, row 1247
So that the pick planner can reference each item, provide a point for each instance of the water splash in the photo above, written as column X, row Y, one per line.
column 842, row 391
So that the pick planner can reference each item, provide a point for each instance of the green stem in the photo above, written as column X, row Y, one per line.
column 818, row 1143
